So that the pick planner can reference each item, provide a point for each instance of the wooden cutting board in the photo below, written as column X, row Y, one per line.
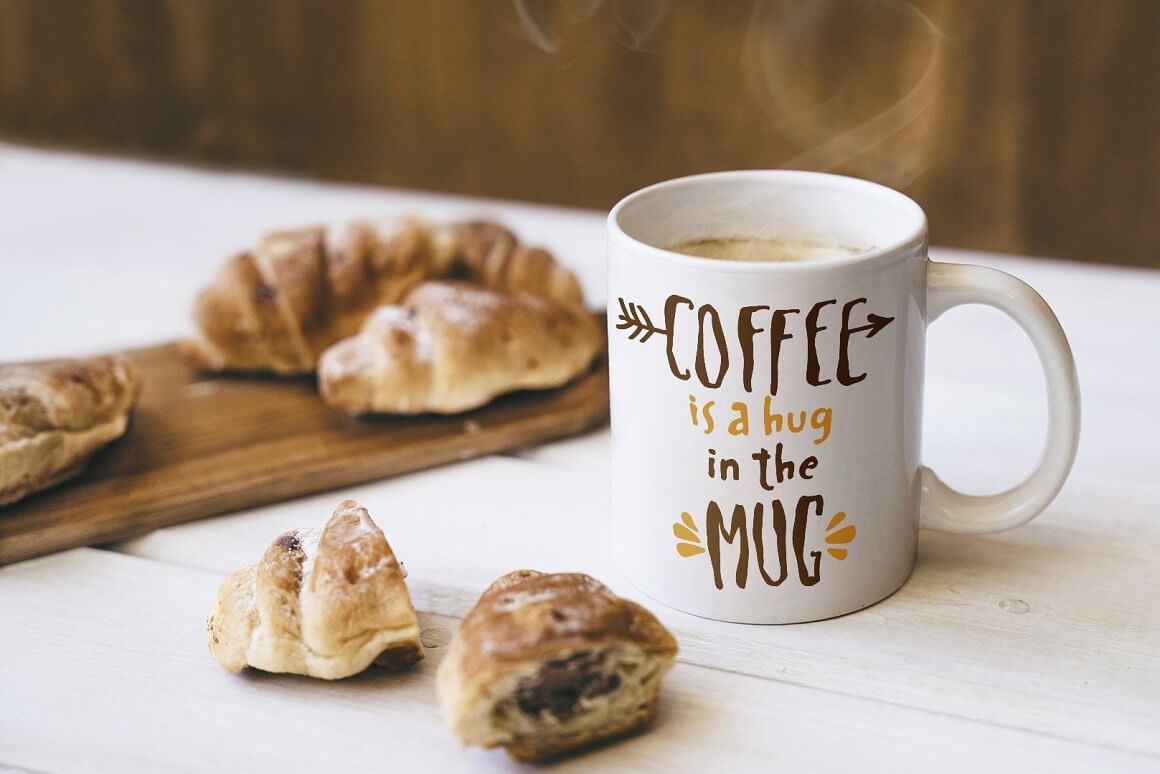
column 199, row 446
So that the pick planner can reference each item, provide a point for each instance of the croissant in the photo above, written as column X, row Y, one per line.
column 57, row 414
column 277, row 307
column 324, row 604
column 546, row 664
column 492, row 256
column 453, row 347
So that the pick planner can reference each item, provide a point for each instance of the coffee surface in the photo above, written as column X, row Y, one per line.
column 758, row 250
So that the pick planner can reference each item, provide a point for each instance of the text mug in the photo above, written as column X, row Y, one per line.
column 766, row 417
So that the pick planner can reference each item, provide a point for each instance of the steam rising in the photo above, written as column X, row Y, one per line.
column 638, row 19
column 635, row 20
column 815, row 87
column 783, row 33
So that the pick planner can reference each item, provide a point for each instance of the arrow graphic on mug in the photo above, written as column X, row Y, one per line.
column 875, row 323
column 635, row 317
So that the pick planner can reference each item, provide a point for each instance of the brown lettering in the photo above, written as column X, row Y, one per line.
column 746, row 330
column 777, row 516
column 715, row 526
column 671, row 304
column 707, row 312
column 844, row 346
column 799, row 540
column 777, row 334
column 813, row 367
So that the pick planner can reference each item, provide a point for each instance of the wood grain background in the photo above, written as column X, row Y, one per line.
column 1021, row 125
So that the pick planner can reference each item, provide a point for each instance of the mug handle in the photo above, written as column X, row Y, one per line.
column 943, row 508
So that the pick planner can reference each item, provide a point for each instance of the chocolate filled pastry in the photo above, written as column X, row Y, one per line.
column 547, row 664
column 55, row 415
column 451, row 347
column 320, row 603
column 276, row 307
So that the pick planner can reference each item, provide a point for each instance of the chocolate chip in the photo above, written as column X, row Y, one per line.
column 560, row 685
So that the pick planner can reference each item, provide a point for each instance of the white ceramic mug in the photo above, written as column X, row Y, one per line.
column 766, row 417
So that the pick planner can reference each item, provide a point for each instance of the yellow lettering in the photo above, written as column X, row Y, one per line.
column 821, row 420
column 771, row 418
column 740, row 425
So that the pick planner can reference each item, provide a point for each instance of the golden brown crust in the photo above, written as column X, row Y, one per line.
column 453, row 347
column 528, row 613
column 319, row 604
column 491, row 255
column 277, row 307
column 548, row 664
column 56, row 414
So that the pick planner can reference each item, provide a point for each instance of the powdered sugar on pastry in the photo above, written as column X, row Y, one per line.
column 320, row 603
column 55, row 415
column 278, row 306
column 452, row 347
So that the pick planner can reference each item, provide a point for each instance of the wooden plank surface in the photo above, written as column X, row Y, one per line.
column 120, row 679
column 200, row 445
column 1038, row 628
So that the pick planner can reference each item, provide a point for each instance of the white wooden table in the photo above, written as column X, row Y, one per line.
column 1036, row 649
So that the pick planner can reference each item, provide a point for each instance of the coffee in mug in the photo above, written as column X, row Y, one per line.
column 757, row 250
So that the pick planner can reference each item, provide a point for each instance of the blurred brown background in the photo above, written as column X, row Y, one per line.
column 1021, row 125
